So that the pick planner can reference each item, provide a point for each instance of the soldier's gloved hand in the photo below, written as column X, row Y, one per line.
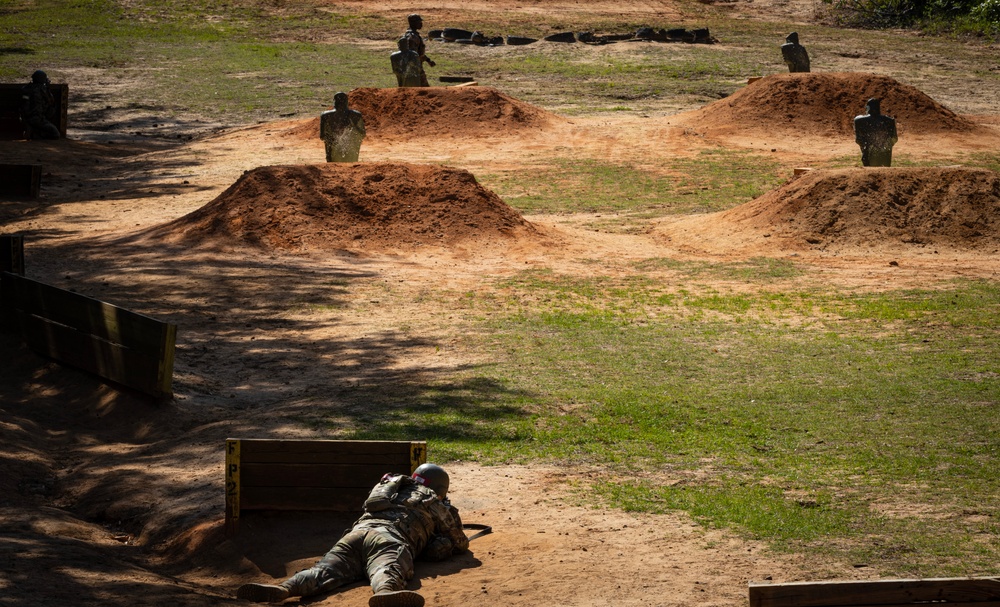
column 438, row 549
column 431, row 63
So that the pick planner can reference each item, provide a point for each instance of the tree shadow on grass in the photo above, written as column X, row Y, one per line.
column 14, row 50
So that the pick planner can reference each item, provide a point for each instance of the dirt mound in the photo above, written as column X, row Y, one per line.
column 825, row 104
column 439, row 111
column 947, row 207
column 372, row 207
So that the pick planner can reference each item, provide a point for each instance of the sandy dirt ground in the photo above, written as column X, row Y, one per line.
column 108, row 499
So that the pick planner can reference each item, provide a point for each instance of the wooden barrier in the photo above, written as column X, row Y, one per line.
column 11, row 126
column 310, row 475
column 967, row 592
column 12, row 254
column 127, row 348
column 20, row 180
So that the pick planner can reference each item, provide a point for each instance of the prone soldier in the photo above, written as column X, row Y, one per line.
column 405, row 517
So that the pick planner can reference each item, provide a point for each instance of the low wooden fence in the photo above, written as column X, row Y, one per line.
column 20, row 180
column 11, row 126
column 939, row 592
column 310, row 475
column 119, row 345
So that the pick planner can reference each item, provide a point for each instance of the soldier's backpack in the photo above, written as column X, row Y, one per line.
column 382, row 495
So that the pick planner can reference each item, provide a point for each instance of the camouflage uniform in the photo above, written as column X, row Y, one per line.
column 402, row 520
column 37, row 105
column 416, row 44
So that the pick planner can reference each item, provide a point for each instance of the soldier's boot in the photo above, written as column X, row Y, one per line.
column 396, row 598
column 262, row 593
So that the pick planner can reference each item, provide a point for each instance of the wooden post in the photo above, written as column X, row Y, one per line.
column 60, row 92
column 232, row 486
column 418, row 455
column 12, row 254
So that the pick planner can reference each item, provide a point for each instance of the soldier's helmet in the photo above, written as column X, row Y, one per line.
column 40, row 77
column 415, row 21
column 433, row 477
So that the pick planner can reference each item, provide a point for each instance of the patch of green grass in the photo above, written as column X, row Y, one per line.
column 819, row 420
column 245, row 81
column 711, row 181
column 985, row 160
column 95, row 33
column 310, row 49
column 219, row 66
column 287, row 51
column 820, row 523
column 952, row 307
column 577, row 78
column 761, row 510
column 752, row 270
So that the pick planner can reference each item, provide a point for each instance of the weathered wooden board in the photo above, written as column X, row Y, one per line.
column 119, row 345
column 980, row 592
column 304, row 498
column 310, row 475
column 20, row 180
column 328, row 451
column 316, row 475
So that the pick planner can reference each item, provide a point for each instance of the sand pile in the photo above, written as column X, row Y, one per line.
column 825, row 104
column 939, row 207
column 358, row 207
column 439, row 111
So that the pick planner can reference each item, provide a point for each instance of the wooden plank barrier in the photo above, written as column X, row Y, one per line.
column 310, row 475
column 966, row 592
column 119, row 345
column 11, row 126
column 20, row 180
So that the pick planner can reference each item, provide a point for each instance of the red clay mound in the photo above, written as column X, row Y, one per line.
column 947, row 207
column 370, row 207
column 825, row 105
column 439, row 111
